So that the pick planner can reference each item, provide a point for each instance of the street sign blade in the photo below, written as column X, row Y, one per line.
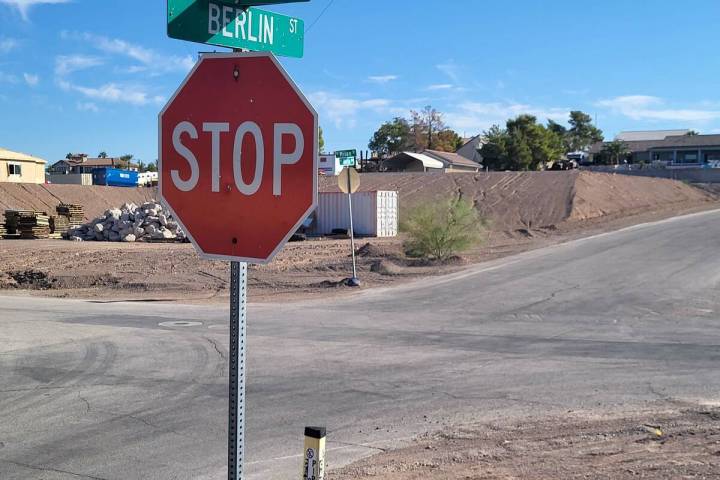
column 234, row 26
column 347, row 158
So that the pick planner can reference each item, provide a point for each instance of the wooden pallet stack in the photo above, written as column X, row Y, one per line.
column 59, row 226
column 74, row 213
column 33, row 225
column 3, row 231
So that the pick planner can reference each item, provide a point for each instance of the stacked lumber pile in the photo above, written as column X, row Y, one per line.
column 59, row 226
column 74, row 213
column 31, row 225
column 3, row 231
column 148, row 222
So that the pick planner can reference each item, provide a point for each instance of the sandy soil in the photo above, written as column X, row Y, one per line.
column 658, row 444
column 526, row 210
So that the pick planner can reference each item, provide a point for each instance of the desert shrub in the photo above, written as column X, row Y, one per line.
column 440, row 230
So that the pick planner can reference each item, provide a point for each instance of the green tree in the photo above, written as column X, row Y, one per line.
column 124, row 161
column 102, row 154
column 439, row 230
column 494, row 149
column 582, row 133
column 152, row 166
column 523, row 144
column 615, row 151
column 321, row 141
column 391, row 138
column 692, row 133
column 69, row 156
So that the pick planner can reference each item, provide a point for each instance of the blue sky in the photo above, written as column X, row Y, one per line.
column 91, row 75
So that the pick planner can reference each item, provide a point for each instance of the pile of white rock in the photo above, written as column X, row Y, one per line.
column 130, row 223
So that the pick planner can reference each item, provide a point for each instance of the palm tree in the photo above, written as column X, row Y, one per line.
column 615, row 151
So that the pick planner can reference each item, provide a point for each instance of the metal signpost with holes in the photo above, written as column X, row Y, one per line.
column 347, row 158
column 235, row 25
column 349, row 182
column 238, row 161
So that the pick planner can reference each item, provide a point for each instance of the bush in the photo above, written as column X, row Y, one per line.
column 441, row 230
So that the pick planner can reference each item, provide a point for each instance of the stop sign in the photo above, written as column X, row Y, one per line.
column 238, row 156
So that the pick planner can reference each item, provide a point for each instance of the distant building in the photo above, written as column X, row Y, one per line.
column 672, row 150
column 471, row 149
column 329, row 164
column 649, row 135
column 82, row 163
column 431, row 161
column 21, row 168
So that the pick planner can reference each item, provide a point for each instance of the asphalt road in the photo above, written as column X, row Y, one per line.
column 110, row 391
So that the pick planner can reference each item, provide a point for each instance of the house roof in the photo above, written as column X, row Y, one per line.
column 689, row 141
column 18, row 157
column 670, row 142
column 646, row 135
column 452, row 158
column 428, row 162
column 93, row 162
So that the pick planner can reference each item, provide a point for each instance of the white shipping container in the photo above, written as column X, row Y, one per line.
column 375, row 214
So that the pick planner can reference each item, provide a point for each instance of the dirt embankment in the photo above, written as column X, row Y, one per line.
column 526, row 210
column 94, row 199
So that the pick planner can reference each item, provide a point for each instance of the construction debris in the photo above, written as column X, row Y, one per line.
column 73, row 212
column 28, row 224
column 130, row 223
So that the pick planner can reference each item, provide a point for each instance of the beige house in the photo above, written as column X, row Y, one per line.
column 20, row 168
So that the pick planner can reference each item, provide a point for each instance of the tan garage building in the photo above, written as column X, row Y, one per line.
column 21, row 168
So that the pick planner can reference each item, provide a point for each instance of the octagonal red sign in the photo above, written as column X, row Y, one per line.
column 238, row 156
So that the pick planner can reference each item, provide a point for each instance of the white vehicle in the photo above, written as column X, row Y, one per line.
column 147, row 179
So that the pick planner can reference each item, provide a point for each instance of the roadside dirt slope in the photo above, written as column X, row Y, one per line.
column 606, row 194
column 511, row 200
column 45, row 198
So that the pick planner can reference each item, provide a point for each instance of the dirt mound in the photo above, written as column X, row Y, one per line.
column 607, row 194
column 528, row 204
column 510, row 200
column 94, row 199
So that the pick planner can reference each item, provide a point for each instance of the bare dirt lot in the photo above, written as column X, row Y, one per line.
column 669, row 443
column 525, row 210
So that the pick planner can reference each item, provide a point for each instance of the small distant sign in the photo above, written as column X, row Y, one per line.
column 234, row 25
column 347, row 158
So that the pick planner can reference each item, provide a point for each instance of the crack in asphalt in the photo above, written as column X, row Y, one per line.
column 217, row 348
column 49, row 469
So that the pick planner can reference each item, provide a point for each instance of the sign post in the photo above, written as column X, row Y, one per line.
column 238, row 170
column 349, row 182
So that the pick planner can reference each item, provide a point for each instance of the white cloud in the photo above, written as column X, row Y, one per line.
column 23, row 6
column 451, row 69
column 342, row 110
column 31, row 79
column 382, row 78
column 149, row 60
column 115, row 93
column 477, row 117
column 8, row 44
column 67, row 64
column 87, row 107
column 646, row 107
column 440, row 86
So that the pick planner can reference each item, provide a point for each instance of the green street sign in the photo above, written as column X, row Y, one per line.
column 219, row 23
column 252, row 3
column 347, row 158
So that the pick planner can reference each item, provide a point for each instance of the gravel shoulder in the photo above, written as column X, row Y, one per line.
column 666, row 442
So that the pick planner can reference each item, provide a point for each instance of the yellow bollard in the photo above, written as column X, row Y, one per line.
column 314, row 463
